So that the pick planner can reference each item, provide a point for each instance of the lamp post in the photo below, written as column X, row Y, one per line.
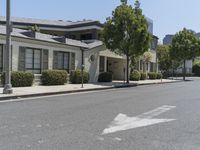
column 82, row 67
column 8, row 87
column 82, row 78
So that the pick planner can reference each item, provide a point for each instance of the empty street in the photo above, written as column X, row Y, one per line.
column 155, row 117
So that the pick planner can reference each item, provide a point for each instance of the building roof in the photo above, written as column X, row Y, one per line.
column 42, row 37
column 94, row 44
column 46, row 22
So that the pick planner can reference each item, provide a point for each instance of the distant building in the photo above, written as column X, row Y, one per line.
column 168, row 39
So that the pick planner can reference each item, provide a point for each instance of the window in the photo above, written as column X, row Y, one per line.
column 61, row 60
column 86, row 36
column 1, row 58
column 101, row 64
column 33, row 60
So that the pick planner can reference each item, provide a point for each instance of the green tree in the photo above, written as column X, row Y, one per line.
column 134, row 62
column 185, row 46
column 164, row 60
column 126, row 32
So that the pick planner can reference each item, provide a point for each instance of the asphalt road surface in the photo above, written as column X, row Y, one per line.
column 155, row 117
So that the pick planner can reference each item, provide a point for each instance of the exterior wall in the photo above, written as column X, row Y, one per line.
column 188, row 66
column 17, row 42
column 154, row 57
column 93, row 66
column 117, row 66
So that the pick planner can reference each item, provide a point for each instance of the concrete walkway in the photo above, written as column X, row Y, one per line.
column 72, row 88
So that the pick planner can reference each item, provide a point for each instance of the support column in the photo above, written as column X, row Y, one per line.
column 105, row 64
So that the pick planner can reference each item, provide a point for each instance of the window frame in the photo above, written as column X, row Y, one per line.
column 33, row 60
column 63, row 60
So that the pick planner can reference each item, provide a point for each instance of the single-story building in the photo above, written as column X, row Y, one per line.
column 35, row 52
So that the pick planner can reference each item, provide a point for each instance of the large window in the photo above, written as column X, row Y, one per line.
column 33, row 60
column 61, row 60
column 1, row 58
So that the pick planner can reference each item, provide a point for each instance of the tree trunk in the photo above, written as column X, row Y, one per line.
column 184, row 70
column 127, row 69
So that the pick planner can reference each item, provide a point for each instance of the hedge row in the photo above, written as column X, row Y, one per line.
column 105, row 77
column 143, row 76
column 154, row 75
column 19, row 79
column 76, row 77
column 48, row 77
column 54, row 77
column 136, row 76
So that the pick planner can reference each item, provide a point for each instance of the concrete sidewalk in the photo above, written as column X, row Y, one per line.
column 23, row 92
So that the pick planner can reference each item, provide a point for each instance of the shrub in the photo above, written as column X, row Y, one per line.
column 167, row 74
column 54, row 77
column 152, row 75
column 196, row 69
column 135, row 75
column 19, row 79
column 159, row 75
column 76, row 77
column 143, row 76
column 105, row 77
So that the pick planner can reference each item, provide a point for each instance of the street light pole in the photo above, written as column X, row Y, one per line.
column 8, row 87
column 82, row 67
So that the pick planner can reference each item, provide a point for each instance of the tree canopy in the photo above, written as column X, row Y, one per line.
column 126, row 32
column 163, row 55
column 185, row 46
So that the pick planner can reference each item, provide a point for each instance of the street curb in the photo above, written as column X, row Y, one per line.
column 81, row 90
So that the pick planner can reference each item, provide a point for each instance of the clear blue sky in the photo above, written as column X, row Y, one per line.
column 169, row 16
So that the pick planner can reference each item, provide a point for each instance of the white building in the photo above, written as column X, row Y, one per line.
column 62, row 45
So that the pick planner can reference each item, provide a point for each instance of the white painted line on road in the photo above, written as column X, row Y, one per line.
column 50, row 96
column 117, row 139
column 122, row 122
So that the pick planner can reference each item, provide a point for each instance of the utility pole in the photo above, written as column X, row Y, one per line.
column 8, row 86
column 82, row 67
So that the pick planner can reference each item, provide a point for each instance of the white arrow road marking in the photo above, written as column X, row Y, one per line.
column 123, row 122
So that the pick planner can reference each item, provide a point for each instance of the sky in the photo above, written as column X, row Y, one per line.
column 169, row 16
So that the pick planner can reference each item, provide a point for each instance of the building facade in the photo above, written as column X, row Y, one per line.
column 63, row 45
